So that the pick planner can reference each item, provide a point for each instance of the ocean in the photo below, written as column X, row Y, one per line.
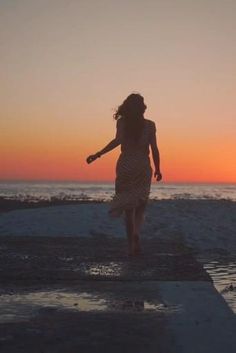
column 49, row 190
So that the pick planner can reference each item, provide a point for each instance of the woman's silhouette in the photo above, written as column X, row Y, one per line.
column 133, row 169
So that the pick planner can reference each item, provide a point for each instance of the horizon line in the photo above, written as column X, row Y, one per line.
column 112, row 181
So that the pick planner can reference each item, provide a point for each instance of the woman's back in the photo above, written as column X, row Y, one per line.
column 129, row 144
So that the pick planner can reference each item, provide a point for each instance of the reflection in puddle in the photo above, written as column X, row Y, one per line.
column 20, row 307
column 224, row 279
column 112, row 269
column 143, row 305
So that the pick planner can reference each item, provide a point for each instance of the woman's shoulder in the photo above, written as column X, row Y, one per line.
column 120, row 126
column 150, row 123
column 120, row 122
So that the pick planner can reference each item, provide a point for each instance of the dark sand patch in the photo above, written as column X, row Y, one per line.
column 45, row 259
column 8, row 204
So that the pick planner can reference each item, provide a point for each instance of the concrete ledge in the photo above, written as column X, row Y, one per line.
column 204, row 323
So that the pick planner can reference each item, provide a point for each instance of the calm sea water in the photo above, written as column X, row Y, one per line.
column 103, row 191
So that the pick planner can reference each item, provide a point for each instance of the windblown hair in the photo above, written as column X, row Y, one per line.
column 132, row 111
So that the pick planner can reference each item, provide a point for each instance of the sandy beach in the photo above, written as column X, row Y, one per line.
column 66, row 278
column 207, row 225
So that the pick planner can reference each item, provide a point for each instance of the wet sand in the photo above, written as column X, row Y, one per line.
column 7, row 205
column 73, row 258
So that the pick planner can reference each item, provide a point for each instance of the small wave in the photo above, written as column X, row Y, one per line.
column 29, row 191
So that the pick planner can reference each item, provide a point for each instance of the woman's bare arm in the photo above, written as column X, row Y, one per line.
column 155, row 156
column 109, row 147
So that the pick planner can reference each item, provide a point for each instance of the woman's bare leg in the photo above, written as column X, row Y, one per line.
column 130, row 229
column 139, row 219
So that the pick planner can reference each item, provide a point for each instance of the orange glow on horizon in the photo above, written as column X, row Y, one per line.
column 178, row 164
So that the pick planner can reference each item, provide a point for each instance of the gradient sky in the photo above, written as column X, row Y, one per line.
column 66, row 65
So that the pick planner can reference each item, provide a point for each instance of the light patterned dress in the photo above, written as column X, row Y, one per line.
column 133, row 170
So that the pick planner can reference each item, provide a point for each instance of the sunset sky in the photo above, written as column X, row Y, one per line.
column 65, row 65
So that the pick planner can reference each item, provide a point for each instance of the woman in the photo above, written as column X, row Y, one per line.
column 133, row 170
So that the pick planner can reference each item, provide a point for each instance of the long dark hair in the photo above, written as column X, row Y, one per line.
column 132, row 110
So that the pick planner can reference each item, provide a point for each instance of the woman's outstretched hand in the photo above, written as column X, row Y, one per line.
column 93, row 157
column 157, row 175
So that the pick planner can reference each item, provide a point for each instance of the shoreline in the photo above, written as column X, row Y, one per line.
column 10, row 204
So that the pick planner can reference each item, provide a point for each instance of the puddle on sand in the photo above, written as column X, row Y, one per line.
column 115, row 270
column 112, row 269
column 20, row 307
